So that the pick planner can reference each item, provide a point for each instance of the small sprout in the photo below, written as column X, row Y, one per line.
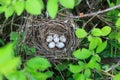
column 62, row 39
column 49, row 39
column 60, row 45
column 51, row 45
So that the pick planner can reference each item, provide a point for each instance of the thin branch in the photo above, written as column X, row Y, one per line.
column 96, row 13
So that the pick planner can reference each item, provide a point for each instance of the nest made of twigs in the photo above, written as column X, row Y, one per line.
column 37, row 31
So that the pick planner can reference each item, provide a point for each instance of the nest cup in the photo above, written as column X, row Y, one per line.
column 38, row 30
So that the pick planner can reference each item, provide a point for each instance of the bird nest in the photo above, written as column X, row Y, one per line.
column 39, row 32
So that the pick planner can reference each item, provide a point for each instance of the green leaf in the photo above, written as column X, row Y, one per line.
column 13, row 36
column 96, row 32
column 9, row 11
column 40, row 76
column 19, row 7
column 80, row 33
column 82, row 54
column 93, row 63
column 90, row 37
column 10, row 66
column 18, row 75
column 39, row 63
column 61, row 67
column 116, row 77
column 2, row 42
column 33, row 7
column 6, row 53
column 117, row 1
column 67, row 3
column 49, row 74
column 52, row 8
column 106, row 30
column 78, row 76
column 118, row 22
column 93, row 43
column 117, row 36
column 101, row 47
column 5, row 2
column 75, row 68
column 87, row 73
column 2, row 9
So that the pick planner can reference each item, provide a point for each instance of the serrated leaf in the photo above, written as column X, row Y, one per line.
column 87, row 73
column 79, row 76
column 67, row 3
column 80, row 33
column 52, row 8
column 9, row 11
column 93, row 44
column 39, row 63
column 75, row 68
column 116, row 77
column 101, row 47
column 19, row 7
column 96, row 32
column 106, row 30
column 33, row 7
column 83, row 54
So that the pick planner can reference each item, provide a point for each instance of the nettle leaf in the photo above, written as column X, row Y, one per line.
column 78, row 76
column 39, row 63
column 87, row 73
column 116, row 77
column 101, row 47
column 52, row 8
column 96, row 32
column 67, row 3
column 82, row 54
column 106, row 30
column 9, row 11
column 33, row 7
column 93, row 43
column 75, row 68
column 19, row 7
column 80, row 33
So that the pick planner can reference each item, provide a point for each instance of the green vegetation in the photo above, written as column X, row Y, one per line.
column 87, row 62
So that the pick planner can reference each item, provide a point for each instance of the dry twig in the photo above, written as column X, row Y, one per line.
column 95, row 13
